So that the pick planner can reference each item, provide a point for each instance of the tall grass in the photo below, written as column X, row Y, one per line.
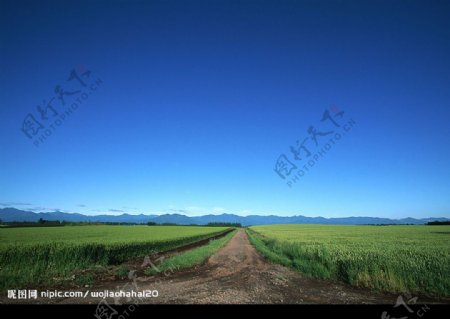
column 387, row 258
column 31, row 257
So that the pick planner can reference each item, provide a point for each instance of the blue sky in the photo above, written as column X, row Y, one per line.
column 198, row 100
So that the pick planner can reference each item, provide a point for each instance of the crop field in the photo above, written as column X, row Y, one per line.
column 35, row 256
column 388, row 258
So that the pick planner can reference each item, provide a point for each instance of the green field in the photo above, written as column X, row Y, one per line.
column 30, row 257
column 387, row 258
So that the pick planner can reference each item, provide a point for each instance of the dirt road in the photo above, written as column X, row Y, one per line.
column 239, row 274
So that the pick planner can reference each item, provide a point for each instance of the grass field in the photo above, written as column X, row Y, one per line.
column 388, row 258
column 30, row 257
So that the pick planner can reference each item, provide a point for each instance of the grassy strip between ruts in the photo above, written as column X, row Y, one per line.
column 192, row 257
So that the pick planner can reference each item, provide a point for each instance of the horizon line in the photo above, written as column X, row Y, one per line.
column 217, row 214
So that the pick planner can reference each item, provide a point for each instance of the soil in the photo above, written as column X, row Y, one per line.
column 238, row 274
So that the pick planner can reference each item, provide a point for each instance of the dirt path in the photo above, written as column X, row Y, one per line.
column 239, row 274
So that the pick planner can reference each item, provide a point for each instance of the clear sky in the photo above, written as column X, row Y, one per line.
column 198, row 99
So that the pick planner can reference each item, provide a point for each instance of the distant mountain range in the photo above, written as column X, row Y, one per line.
column 13, row 214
